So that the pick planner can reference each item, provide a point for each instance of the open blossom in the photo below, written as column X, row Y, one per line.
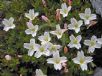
column 92, row 44
column 57, row 60
column 45, row 38
column 8, row 24
column 31, row 15
column 87, row 16
column 42, row 50
column 82, row 60
column 75, row 41
column 32, row 47
column 53, row 48
column 58, row 32
column 75, row 25
column 65, row 9
column 32, row 29
column 39, row 73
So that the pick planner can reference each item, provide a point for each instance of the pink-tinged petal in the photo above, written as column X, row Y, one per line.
column 63, row 59
column 30, row 25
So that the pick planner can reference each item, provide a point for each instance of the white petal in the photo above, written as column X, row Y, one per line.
column 80, row 22
column 26, row 45
column 93, row 17
column 98, row 45
column 82, row 16
column 28, row 31
column 11, row 19
column 58, row 26
column 99, row 40
column 63, row 59
column 78, row 46
column 36, row 14
column 30, row 52
column 88, row 59
column 88, row 11
column 6, row 28
column 72, row 37
column 79, row 38
column 84, row 67
column 87, row 42
column 37, row 54
column 58, row 66
column 50, row 61
column 91, row 49
column 69, row 8
column 87, row 22
column 76, row 60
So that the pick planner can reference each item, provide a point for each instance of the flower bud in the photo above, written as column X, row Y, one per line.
column 45, row 18
column 58, row 16
column 7, row 57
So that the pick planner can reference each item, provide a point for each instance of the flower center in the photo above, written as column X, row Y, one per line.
column 53, row 48
column 75, row 41
column 33, row 29
column 42, row 49
column 81, row 61
column 46, row 38
column 92, row 43
column 57, row 61
column 31, row 47
column 76, row 25
column 65, row 11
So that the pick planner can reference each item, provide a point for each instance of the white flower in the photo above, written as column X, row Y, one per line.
column 53, row 48
column 82, row 60
column 42, row 50
column 32, row 46
column 31, row 29
column 31, row 15
column 75, row 41
column 75, row 25
column 39, row 73
column 87, row 16
column 99, row 40
column 58, row 32
column 57, row 60
column 8, row 24
column 92, row 44
column 44, row 38
column 65, row 9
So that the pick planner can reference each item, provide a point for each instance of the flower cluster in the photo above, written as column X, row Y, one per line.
column 49, row 49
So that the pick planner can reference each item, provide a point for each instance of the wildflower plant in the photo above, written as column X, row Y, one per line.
column 42, row 43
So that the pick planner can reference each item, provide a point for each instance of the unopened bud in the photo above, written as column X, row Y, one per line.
column 7, row 57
